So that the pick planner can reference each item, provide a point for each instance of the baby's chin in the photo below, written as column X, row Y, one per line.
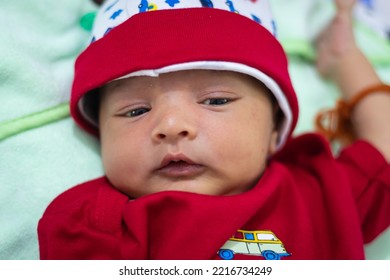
column 191, row 188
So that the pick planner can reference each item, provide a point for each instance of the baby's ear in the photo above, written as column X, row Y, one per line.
column 273, row 143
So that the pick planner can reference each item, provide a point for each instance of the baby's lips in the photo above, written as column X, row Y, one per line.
column 180, row 157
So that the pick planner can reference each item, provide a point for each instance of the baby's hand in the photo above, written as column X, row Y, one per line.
column 337, row 40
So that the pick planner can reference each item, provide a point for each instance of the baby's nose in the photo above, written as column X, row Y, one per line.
column 174, row 126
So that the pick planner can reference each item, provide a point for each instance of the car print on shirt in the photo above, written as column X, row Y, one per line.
column 254, row 242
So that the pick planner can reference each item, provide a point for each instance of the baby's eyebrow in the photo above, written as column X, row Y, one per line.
column 118, row 88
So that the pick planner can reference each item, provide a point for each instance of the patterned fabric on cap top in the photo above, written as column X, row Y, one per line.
column 115, row 12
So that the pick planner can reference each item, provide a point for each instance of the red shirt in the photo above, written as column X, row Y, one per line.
column 307, row 205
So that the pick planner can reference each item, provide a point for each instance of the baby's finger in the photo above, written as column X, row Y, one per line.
column 344, row 5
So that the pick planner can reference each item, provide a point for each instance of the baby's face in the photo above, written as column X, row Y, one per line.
column 206, row 132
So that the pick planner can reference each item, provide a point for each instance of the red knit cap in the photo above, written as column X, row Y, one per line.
column 133, row 38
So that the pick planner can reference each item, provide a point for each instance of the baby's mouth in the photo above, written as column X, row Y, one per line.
column 179, row 166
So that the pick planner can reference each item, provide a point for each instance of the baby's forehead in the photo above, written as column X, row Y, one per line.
column 193, row 77
column 194, row 84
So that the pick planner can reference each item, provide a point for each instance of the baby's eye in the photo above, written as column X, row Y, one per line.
column 136, row 112
column 216, row 101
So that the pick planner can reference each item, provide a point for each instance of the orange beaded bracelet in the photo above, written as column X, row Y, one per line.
column 335, row 124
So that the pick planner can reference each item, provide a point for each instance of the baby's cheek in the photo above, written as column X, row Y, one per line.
column 114, row 163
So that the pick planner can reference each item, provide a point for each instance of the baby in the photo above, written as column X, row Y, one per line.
column 194, row 108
